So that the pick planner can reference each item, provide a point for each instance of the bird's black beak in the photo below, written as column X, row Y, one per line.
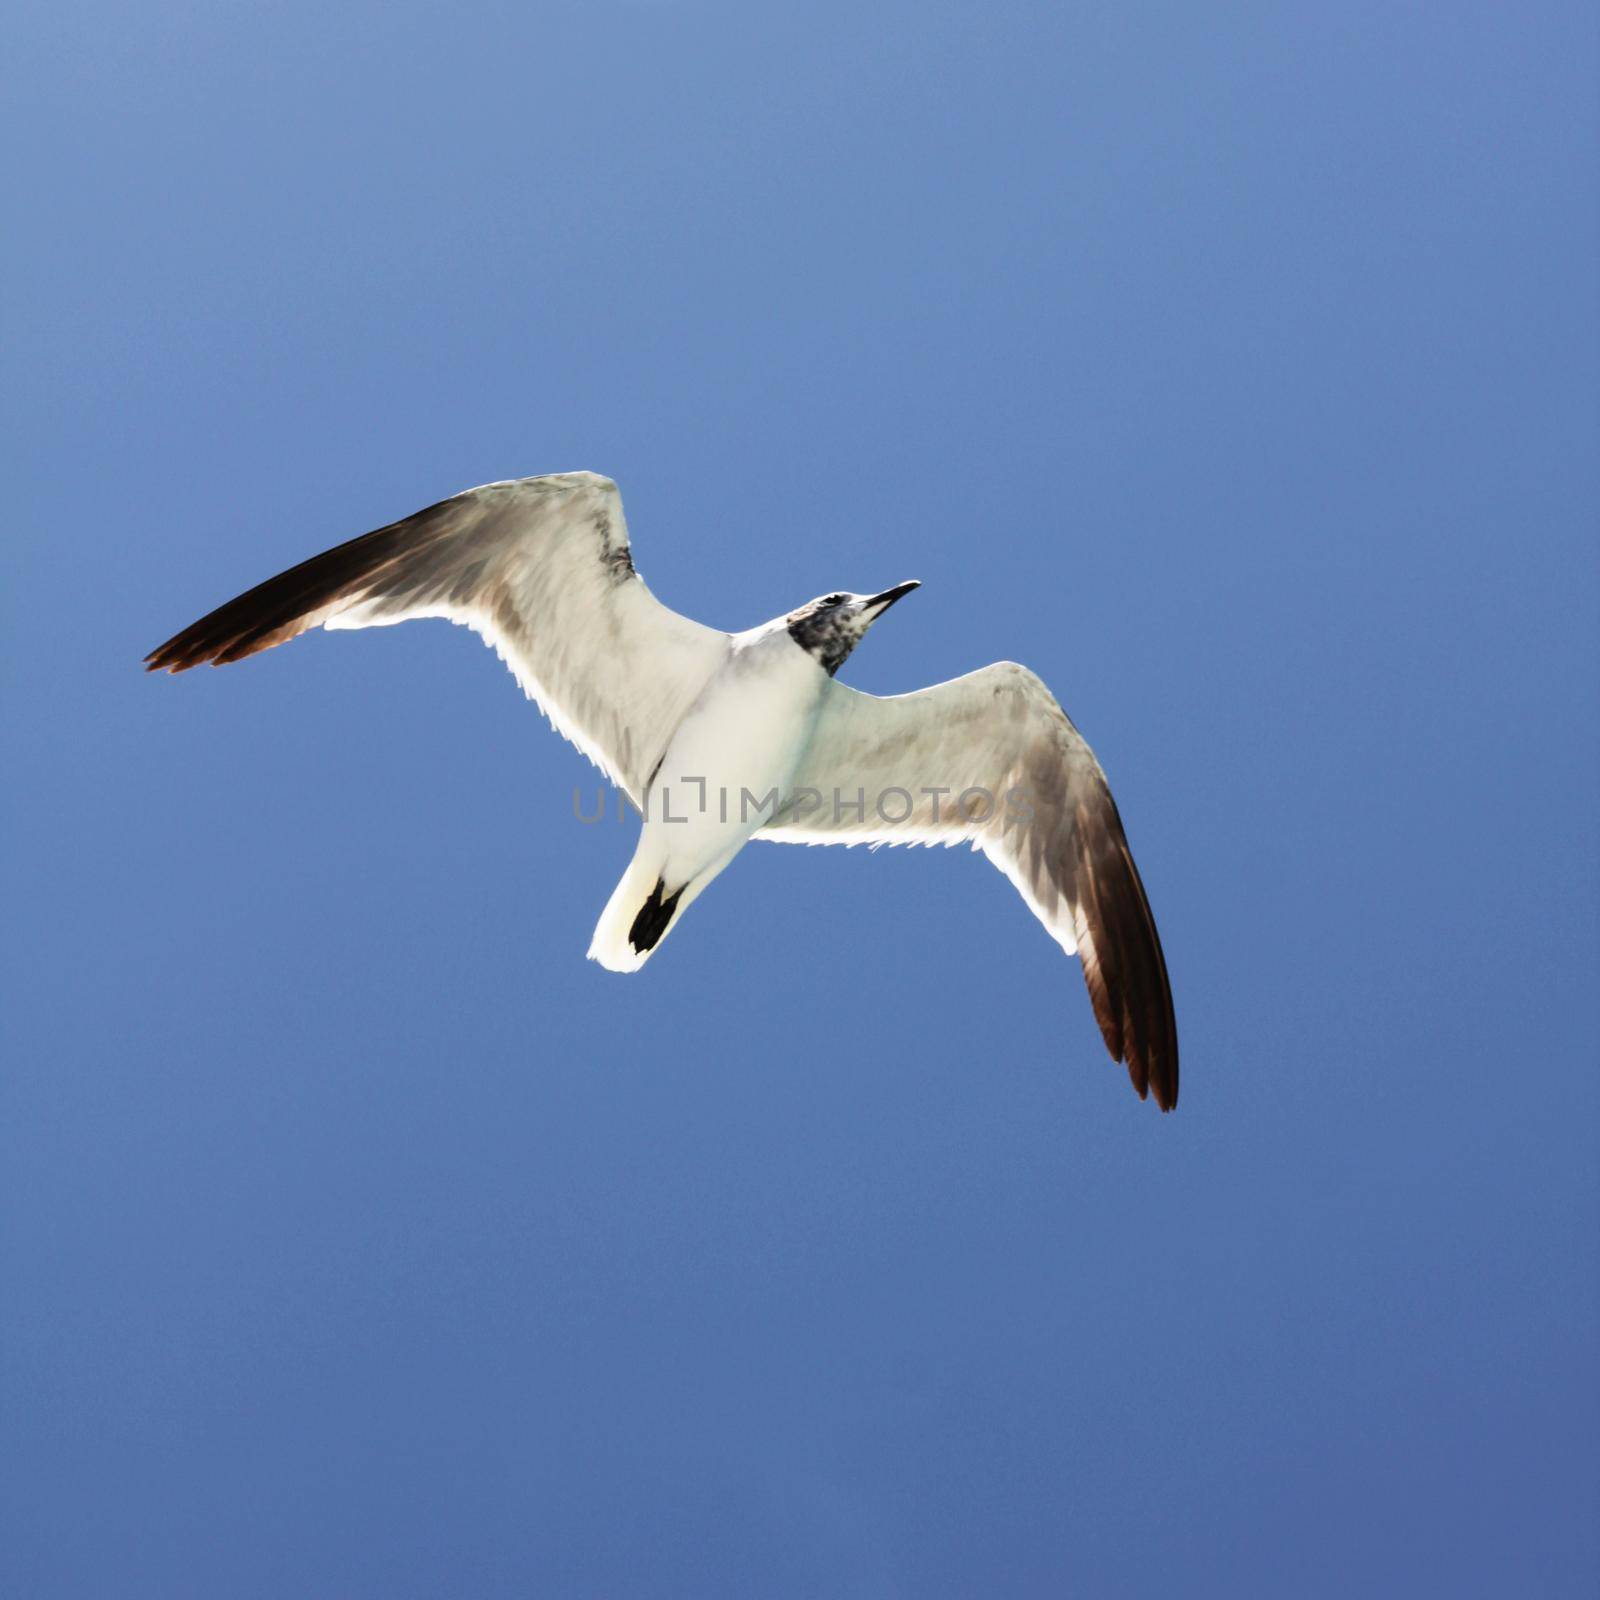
column 880, row 603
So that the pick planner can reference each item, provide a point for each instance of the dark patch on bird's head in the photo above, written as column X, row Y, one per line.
column 831, row 626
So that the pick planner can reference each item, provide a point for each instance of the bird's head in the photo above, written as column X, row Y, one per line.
column 831, row 627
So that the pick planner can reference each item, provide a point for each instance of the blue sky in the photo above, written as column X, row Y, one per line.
column 1235, row 368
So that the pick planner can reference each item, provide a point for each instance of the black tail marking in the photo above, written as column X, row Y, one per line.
column 653, row 917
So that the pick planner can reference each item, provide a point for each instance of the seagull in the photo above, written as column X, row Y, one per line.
column 719, row 738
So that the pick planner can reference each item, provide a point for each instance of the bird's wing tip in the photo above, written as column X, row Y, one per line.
column 1166, row 1091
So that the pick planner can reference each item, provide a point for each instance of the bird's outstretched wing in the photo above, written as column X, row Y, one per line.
column 991, row 758
column 541, row 568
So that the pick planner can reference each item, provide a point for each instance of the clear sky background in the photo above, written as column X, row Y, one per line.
column 1235, row 368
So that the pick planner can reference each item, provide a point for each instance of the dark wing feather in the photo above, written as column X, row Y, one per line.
column 398, row 561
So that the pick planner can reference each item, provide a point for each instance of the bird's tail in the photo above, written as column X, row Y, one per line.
column 637, row 917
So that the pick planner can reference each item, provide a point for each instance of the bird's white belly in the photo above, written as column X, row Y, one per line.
column 732, row 757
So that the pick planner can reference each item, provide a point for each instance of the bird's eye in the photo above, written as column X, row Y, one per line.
column 833, row 599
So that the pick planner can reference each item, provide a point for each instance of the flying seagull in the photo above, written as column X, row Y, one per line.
column 719, row 738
